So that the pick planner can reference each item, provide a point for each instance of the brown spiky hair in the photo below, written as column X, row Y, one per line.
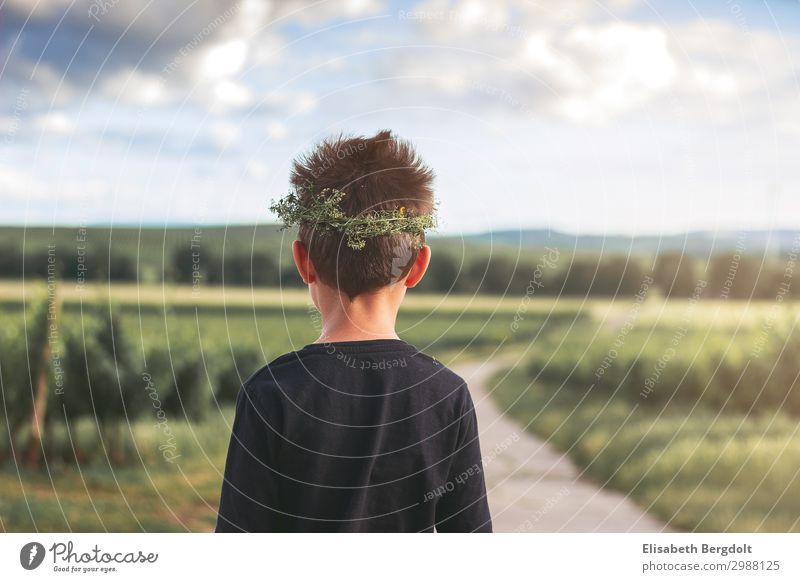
column 380, row 173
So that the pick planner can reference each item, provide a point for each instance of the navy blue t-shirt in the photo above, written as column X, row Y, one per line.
column 357, row 436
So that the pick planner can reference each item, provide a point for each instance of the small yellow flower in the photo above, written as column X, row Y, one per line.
column 402, row 210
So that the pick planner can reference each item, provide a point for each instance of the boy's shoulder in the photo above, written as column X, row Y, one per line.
column 444, row 373
column 304, row 363
column 270, row 374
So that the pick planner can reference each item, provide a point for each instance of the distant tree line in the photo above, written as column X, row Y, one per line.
column 727, row 275
column 184, row 265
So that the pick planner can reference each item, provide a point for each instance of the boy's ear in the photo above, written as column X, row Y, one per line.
column 419, row 267
column 304, row 265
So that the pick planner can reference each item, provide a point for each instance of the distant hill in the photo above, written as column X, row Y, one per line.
column 699, row 243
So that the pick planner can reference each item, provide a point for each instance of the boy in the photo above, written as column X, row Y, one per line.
column 359, row 431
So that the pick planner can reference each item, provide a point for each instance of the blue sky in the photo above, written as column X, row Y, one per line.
column 585, row 116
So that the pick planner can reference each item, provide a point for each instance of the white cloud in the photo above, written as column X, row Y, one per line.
column 289, row 102
column 600, row 71
column 303, row 103
column 40, row 9
column 198, row 47
column 277, row 130
column 567, row 60
column 315, row 12
column 729, row 76
column 15, row 184
column 19, row 186
column 55, row 122
column 138, row 88
column 228, row 95
column 223, row 60
column 9, row 125
column 225, row 134
column 588, row 64
column 267, row 49
column 257, row 170
column 51, row 87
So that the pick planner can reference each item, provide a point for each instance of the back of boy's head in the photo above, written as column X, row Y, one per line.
column 380, row 173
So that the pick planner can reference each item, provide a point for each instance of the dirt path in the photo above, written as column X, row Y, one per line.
column 532, row 486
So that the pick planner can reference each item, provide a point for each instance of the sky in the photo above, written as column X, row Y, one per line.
column 624, row 116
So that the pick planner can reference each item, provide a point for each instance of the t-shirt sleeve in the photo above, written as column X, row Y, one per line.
column 250, row 484
column 464, row 507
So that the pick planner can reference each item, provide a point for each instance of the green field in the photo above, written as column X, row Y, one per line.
column 709, row 449
column 693, row 412
column 146, row 494
column 131, row 487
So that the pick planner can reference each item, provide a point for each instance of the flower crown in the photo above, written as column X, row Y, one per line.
column 323, row 211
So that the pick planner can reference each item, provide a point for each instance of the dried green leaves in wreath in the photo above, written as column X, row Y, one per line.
column 323, row 211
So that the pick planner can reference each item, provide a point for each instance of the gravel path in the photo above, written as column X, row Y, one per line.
column 535, row 488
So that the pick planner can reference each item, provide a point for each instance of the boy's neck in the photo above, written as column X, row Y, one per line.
column 368, row 316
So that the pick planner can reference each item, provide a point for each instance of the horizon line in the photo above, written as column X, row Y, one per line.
column 471, row 234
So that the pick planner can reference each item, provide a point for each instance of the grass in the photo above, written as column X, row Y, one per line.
column 282, row 320
column 692, row 467
column 12, row 292
column 146, row 494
